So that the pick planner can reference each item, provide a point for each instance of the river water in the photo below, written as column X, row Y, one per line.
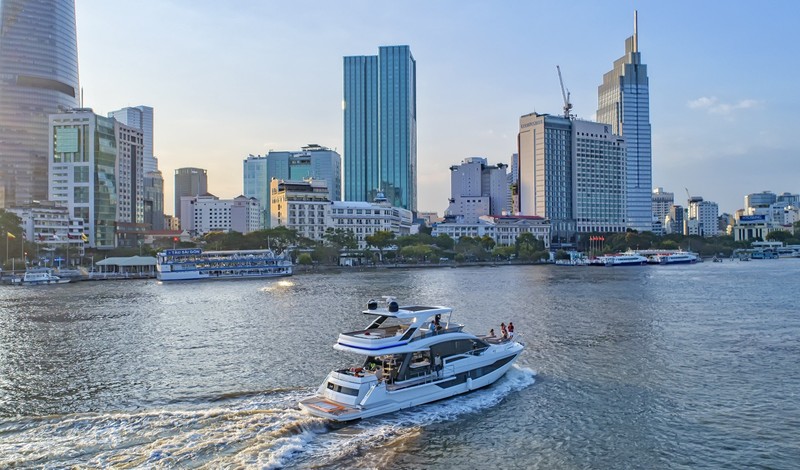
column 642, row 367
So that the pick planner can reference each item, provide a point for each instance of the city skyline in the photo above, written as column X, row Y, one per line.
column 714, row 117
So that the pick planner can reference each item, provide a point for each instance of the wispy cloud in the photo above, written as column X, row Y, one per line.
column 714, row 106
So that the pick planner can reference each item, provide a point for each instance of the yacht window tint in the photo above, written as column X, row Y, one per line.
column 340, row 389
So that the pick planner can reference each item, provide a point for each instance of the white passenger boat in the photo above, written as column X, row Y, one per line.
column 39, row 276
column 623, row 259
column 194, row 263
column 409, row 356
column 678, row 257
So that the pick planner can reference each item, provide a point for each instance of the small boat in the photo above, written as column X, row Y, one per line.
column 409, row 356
column 194, row 263
column 39, row 276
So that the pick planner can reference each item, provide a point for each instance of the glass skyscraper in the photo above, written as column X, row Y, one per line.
column 313, row 161
column 623, row 101
column 380, row 126
column 38, row 77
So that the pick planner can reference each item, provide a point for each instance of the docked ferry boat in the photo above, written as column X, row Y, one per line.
column 676, row 257
column 194, row 263
column 619, row 259
column 409, row 355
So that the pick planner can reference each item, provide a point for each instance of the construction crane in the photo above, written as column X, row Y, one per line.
column 565, row 95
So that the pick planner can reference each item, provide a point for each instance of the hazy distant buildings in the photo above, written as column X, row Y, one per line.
column 624, row 103
column 312, row 161
column 476, row 189
column 38, row 77
column 380, row 127
column 95, row 171
column 188, row 182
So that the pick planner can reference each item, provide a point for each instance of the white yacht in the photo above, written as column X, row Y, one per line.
column 409, row 355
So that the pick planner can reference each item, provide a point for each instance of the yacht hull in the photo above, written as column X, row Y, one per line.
column 381, row 398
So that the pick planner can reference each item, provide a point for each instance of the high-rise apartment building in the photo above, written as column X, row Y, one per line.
column 662, row 202
column 95, row 171
column 624, row 103
column 312, row 161
column 702, row 218
column 476, row 189
column 380, row 127
column 545, row 171
column 188, row 182
column 38, row 77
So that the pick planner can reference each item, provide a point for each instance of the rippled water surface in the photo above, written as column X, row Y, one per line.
column 650, row 367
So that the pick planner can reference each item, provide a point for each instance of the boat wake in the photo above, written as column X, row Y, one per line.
column 265, row 430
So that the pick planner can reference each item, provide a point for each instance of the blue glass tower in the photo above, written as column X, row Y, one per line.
column 38, row 77
column 380, row 126
column 624, row 103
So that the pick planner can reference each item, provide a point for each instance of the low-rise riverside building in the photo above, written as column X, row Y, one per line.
column 304, row 206
column 208, row 213
column 503, row 229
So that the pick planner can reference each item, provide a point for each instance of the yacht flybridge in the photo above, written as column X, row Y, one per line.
column 410, row 355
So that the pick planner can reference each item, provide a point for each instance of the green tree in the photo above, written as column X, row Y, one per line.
column 304, row 259
column 445, row 242
column 380, row 240
column 778, row 236
column 562, row 255
column 340, row 238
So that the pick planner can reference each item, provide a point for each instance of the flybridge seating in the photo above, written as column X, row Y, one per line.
column 396, row 326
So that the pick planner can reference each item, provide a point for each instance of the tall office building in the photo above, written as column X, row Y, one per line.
column 140, row 117
column 38, row 77
column 624, row 103
column 599, row 163
column 476, row 189
column 312, row 161
column 545, row 171
column 380, row 127
column 95, row 171
column 188, row 182
column 573, row 173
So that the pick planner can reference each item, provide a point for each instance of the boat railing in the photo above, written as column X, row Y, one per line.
column 377, row 333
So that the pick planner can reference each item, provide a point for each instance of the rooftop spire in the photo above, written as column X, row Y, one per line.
column 635, row 31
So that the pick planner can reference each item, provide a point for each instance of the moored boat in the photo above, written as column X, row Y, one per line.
column 409, row 356
column 39, row 276
column 677, row 257
column 194, row 264
column 622, row 259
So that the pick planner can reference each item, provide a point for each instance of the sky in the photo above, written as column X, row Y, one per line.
column 240, row 77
